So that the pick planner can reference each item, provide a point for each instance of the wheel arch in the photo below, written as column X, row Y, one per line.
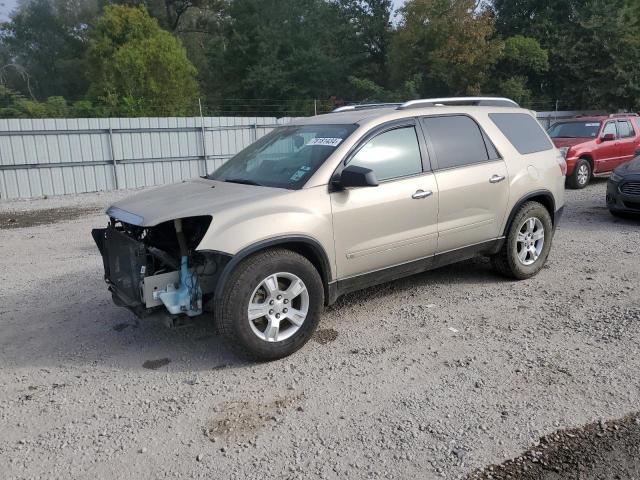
column 306, row 246
column 545, row 197
column 589, row 158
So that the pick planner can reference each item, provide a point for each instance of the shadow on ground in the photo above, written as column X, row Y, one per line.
column 84, row 327
column 599, row 451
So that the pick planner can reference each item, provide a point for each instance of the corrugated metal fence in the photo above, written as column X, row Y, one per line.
column 67, row 156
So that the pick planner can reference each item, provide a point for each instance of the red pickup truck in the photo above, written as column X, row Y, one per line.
column 595, row 146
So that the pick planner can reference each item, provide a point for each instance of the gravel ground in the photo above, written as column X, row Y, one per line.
column 433, row 376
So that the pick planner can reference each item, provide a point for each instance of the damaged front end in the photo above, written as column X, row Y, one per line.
column 158, row 269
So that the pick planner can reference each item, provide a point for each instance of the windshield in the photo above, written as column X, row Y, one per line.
column 575, row 130
column 285, row 158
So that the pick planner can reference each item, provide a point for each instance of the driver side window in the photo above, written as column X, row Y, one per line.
column 392, row 154
column 610, row 128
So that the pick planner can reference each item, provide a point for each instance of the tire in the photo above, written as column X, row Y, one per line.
column 581, row 175
column 508, row 262
column 254, row 281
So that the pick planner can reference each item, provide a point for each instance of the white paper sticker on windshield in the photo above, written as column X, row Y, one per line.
column 593, row 124
column 327, row 142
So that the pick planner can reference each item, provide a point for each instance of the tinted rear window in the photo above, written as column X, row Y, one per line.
column 457, row 141
column 523, row 131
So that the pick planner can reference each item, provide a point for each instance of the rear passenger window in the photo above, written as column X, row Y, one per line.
column 625, row 130
column 457, row 141
column 392, row 154
column 523, row 131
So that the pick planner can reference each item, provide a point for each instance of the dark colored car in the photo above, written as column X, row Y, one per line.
column 595, row 146
column 623, row 189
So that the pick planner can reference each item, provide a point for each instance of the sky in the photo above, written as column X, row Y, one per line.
column 7, row 5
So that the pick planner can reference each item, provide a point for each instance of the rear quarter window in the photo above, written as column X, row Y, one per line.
column 523, row 131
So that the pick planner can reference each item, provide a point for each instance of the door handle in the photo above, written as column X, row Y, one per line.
column 420, row 194
column 497, row 178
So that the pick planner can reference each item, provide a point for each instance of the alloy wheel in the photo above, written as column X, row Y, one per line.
column 278, row 307
column 530, row 241
column 583, row 174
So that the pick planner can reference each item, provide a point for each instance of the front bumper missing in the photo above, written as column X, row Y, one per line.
column 125, row 263
column 136, row 273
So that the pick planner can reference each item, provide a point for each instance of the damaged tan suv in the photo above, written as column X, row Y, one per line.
column 327, row 205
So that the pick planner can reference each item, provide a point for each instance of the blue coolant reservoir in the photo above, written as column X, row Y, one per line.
column 187, row 298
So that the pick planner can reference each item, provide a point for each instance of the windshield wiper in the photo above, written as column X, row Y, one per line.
column 243, row 181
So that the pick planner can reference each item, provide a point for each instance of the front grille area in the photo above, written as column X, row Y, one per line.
column 632, row 205
column 124, row 262
column 630, row 188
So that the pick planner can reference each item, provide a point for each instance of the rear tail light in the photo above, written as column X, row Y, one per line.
column 563, row 165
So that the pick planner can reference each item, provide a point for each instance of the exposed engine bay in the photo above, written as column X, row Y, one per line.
column 155, row 269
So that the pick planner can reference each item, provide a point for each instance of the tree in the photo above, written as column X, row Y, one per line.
column 371, row 20
column 138, row 69
column 522, row 63
column 283, row 50
column 45, row 41
column 593, row 48
column 449, row 42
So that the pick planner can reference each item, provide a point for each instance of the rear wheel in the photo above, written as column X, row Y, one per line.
column 528, row 243
column 272, row 304
column 581, row 175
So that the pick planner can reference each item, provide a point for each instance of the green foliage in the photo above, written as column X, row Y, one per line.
column 45, row 42
column 274, row 57
column 138, row 69
column 593, row 48
column 15, row 105
column 524, row 55
column 520, row 67
column 450, row 42
column 284, row 49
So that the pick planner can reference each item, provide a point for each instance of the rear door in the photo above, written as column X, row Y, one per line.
column 627, row 144
column 472, row 181
column 396, row 222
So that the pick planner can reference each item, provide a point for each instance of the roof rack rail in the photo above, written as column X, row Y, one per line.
column 619, row 115
column 463, row 101
column 365, row 106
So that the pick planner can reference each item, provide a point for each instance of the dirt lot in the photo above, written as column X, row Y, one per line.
column 438, row 375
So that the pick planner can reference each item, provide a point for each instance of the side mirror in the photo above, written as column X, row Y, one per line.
column 354, row 176
column 608, row 137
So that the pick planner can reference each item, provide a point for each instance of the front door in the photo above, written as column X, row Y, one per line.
column 395, row 222
column 607, row 152
column 472, row 182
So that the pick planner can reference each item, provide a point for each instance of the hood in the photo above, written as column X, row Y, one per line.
column 629, row 168
column 186, row 199
column 569, row 142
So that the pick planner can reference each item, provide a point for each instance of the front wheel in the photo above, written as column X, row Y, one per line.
column 581, row 174
column 272, row 304
column 528, row 243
